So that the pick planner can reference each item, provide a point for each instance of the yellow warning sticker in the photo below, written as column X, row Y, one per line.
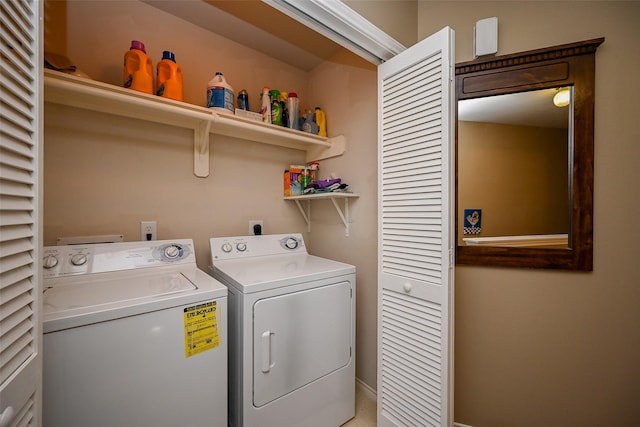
column 200, row 328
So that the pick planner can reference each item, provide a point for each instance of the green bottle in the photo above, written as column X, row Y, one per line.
column 277, row 112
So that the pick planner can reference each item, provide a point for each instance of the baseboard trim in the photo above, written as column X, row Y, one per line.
column 366, row 390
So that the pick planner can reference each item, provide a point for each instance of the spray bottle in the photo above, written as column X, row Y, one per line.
column 266, row 105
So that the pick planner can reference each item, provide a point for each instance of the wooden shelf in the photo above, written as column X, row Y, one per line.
column 306, row 211
column 66, row 89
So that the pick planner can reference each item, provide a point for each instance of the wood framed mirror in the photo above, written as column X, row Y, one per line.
column 528, row 199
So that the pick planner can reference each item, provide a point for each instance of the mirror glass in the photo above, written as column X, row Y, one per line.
column 513, row 170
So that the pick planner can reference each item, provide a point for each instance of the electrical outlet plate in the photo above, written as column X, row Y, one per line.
column 255, row 222
column 148, row 230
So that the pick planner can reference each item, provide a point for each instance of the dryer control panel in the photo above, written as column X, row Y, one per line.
column 59, row 261
column 250, row 246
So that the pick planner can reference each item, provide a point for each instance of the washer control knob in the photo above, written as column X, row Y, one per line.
column 172, row 251
column 49, row 261
column 79, row 259
column 226, row 247
column 291, row 243
column 241, row 246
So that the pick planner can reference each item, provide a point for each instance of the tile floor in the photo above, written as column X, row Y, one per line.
column 366, row 410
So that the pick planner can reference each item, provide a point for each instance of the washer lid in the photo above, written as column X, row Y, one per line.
column 91, row 291
column 269, row 272
column 81, row 300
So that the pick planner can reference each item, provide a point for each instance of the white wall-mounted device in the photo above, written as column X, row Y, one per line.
column 485, row 37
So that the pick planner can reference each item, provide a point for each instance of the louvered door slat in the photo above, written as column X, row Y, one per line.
column 415, row 239
column 14, row 87
column 11, row 188
column 25, row 416
column 20, row 232
column 14, row 139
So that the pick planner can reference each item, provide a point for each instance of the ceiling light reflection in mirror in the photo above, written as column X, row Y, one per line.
column 534, row 108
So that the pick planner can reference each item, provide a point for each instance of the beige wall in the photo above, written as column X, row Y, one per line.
column 395, row 17
column 517, row 176
column 545, row 348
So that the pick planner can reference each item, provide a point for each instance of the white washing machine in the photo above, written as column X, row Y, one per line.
column 134, row 335
column 291, row 332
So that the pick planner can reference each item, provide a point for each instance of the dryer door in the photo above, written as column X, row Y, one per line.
column 300, row 337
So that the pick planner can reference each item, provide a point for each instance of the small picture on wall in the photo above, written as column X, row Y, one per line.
column 472, row 221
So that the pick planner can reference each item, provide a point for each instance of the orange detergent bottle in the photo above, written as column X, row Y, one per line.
column 138, row 69
column 169, row 77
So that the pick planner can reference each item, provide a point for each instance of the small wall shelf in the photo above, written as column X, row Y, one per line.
column 306, row 211
column 66, row 89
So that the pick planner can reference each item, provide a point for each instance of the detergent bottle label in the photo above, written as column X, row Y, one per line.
column 215, row 97
column 220, row 97
column 228, row 99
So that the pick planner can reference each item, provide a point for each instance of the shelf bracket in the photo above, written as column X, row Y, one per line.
column 201, row 149
column 306, row 210
column 344, row 217
column 338, row 147
column 306, row 215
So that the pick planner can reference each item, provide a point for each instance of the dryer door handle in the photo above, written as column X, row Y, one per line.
column 266, row 351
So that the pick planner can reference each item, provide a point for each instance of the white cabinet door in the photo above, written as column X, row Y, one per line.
column 415, row 238
column 20, row 218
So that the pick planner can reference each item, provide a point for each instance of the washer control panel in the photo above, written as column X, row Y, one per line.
column 70, row 260
column 250, row 246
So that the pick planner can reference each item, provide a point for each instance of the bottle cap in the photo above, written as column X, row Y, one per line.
column 135, row 44
column 168, row 55
column 293, row 94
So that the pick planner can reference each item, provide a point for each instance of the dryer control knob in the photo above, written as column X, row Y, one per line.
column 49, row 261
column 241, row 246
column 226, row 247
column 291, row 243
column 79, row 259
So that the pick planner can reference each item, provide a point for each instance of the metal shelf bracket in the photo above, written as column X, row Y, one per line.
column 306, row 209
column 306, row 213
column 344, row 217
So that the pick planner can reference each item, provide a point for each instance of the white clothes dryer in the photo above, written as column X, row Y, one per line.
column 134, row 335
column 291, row 332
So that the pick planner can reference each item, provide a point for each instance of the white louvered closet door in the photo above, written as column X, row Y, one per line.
column 415, row 239
column 20, row 184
